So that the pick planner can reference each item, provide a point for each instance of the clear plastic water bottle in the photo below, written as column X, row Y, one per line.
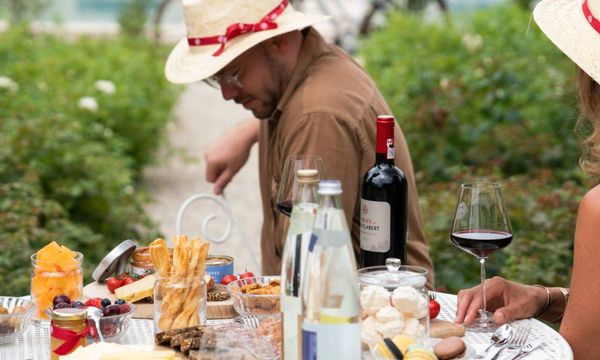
column 295, row 250
column 330, row 294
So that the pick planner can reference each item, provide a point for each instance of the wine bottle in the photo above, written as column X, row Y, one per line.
column 295, row 250
column 330, row 300
column 384, row 194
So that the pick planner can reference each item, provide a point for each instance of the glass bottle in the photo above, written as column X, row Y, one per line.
column 294, row 255
column 383, row 203
column 68, row 331
column 330, row 300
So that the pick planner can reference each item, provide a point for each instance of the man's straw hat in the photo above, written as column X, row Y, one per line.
column 220, row 30
column 574, row 27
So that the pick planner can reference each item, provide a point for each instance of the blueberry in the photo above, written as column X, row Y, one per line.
column 78, row 305
column 119, row 302
column 105, row 302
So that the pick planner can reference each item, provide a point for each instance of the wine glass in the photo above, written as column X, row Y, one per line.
column 288, row 187
column 481, row 227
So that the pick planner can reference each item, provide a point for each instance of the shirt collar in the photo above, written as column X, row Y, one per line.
column 313, row 46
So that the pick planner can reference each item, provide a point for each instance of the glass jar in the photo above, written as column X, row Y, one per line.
column 179, row 300
column 141, row 263
column 394, row 301
column 59, row 275
column 68, row 331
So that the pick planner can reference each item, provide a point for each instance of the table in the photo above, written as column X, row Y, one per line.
column 36, row 340
column 555, row 346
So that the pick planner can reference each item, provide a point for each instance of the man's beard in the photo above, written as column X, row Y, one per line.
column 274, row 90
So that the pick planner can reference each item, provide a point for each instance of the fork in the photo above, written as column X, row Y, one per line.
column 251, row 321
column 529, row 347
column 517, row 341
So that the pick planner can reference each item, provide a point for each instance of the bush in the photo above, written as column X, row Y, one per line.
column 73, row 147
column 486, row 97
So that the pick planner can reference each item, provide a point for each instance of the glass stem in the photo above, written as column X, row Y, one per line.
column 483, row 314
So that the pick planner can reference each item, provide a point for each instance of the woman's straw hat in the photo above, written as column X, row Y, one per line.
column 574, row 27
column 220, row 30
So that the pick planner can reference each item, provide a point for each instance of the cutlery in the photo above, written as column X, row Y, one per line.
column 517, row 340
column 529, row 347
column 251, row 321
column 95, row 314
column 499, row 337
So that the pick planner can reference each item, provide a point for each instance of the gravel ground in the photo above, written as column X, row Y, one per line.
column 199, row 117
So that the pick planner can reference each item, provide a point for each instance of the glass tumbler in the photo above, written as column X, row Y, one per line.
column 394, row 301
column 52, row 276
column 179, row 300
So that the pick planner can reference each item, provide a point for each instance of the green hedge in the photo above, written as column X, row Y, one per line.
column 69, row 171
column 486, row 97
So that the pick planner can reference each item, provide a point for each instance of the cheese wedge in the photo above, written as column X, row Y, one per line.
column 137, row 290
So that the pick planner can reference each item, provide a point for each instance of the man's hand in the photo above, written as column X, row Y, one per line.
column 229, row 153
column 508, row 300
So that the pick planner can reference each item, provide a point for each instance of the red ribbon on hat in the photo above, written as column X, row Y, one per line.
column 589, row 17
column 70, row 337
column 237, row 29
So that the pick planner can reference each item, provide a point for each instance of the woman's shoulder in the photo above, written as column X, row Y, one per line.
column 591, row 200
column 589, row 208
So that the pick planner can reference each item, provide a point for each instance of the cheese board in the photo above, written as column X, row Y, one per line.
column 145, row 309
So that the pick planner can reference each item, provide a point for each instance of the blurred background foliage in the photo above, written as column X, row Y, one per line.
column 486, row 97
column 79, row 120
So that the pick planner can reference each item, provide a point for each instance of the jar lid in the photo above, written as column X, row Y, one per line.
column 393, row 275
column 115, row 261
column 69, row 314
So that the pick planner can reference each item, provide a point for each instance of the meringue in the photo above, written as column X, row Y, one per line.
column 408, row 301
column 411, row 327
column 368, row 333
column 390, row 328
column 373, row 298
column 388, row 313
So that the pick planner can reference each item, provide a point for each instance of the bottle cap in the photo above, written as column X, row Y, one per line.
column 115, row 261
column 330, row 187
column 308, row 176
column 385, row 119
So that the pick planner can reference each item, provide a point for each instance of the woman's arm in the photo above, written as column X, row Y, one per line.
column 581, row 321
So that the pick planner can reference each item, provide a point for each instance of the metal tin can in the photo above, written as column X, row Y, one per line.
column 218, row 266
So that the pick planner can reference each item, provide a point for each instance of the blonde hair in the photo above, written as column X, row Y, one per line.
column 588, row 124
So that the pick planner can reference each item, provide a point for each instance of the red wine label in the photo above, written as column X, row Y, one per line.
column 375, row 225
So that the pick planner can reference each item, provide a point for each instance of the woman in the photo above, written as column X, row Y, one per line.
column 574, row 27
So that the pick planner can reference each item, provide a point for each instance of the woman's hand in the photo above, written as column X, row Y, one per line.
column 506, row 299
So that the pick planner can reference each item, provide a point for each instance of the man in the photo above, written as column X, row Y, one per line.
column 311, row 99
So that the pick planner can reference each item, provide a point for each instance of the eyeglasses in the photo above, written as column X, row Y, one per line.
column 218, row 80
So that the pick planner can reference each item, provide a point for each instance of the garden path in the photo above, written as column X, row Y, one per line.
column 199, row 117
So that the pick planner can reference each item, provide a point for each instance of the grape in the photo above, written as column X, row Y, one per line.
column 119, row 302
column 60, row 299
column 105, row 302
column 78, row 305
column 124, row 308
column 62, row 305
column 111, row 310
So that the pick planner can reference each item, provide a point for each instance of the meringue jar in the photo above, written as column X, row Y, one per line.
column 394, row 301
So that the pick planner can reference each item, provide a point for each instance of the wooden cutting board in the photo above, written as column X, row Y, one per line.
column 145, row 309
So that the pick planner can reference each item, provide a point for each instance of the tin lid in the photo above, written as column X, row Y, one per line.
column 69, row 314
column 115, row 261
column 393, row 275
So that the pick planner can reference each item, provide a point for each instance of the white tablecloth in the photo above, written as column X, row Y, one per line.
column 35, row 343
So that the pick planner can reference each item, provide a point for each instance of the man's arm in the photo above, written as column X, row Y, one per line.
column 229, row 153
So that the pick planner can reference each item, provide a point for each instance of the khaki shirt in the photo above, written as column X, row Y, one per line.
column 329, row 109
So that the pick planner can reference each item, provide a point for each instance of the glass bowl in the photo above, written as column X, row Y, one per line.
column 15, row 321
column 114, row 326
column 256, row 296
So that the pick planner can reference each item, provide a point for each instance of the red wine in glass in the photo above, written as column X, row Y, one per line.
column 481, row 243
column 285, row 207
